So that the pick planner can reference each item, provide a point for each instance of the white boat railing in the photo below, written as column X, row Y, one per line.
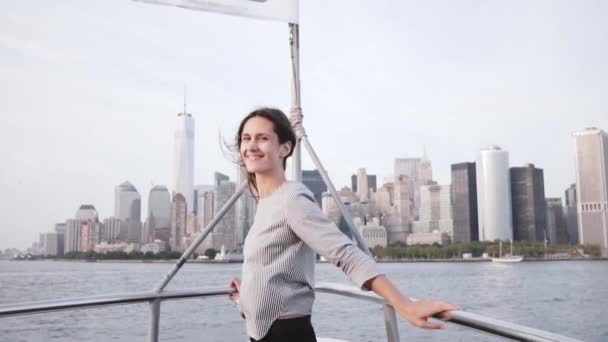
column 466, row 319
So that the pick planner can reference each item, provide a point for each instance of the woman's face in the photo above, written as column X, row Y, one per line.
column 260, row 148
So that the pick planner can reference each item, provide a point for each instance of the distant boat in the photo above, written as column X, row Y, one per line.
column 507, row 258
column 224, row 256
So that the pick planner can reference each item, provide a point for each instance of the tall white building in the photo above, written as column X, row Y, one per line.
column 362, row 185
column 592, row 187
column 494, row 195
column 183, row 158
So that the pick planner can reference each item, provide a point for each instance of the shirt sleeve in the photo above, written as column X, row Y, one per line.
column 312, row 226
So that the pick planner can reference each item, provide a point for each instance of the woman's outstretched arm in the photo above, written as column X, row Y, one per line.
column 322, row 235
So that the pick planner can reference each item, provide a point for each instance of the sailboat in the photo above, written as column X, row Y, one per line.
column 507, row 258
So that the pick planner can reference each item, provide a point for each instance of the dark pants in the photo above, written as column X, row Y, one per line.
column 296, row 329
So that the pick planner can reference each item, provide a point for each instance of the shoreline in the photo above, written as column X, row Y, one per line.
column 474, row 260
column 222, row 262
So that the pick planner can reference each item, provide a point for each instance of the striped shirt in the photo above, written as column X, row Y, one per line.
column 279, row 257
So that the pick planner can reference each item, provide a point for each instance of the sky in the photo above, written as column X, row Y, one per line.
column 89, row 91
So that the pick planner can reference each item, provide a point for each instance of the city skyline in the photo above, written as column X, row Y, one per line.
column 140, row 204
column 104, row 95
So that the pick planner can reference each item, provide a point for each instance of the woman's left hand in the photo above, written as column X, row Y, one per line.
column 235, row 287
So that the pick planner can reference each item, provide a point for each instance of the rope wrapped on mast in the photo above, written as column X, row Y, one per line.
column 296, row 117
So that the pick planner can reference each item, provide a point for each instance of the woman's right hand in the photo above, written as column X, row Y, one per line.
column 235, row 287
column 418, row 313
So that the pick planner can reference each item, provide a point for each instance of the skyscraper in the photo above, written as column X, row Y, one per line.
column 528, row 203
column 183, row 158
column 372, row 183
column 557, row 231
column 494, row 195
column 220, row 196
column 464, row 202
column 79, row 233
column 159, row 211
column 60, row 229
column 198, row 190
column 419, row 172
column 592, row 186
column 206, row 210
column 426, row 171
column 435, row 210
column 127, row 202
column 87, row 212
column 127, row 208
column 112, row 227
column 218, row 178
column 331, row 209
column 385, row 197
column 179, row 214
column 88, row 236
column 206, row 207
column 313, row 181
column 245, row 211
column 571, row 214
column 228, row 224
column 400, row 216
column 49, row 244
column 362, row 185
column 408, row 167
column 72, row 236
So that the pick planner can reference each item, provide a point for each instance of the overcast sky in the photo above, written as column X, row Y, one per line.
column 89, row 91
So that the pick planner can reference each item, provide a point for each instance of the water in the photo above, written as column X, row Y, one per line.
column 569, row 298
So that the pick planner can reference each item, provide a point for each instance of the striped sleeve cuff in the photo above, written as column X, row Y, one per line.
column 363, row 269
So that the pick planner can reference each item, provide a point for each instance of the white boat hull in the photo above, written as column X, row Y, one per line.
column 508, row 259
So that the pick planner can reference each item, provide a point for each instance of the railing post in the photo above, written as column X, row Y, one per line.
column 153, row 320
column 390, row 321
column 216, row 218
column 353, row 232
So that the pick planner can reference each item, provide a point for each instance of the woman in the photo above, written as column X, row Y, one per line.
column 276, row 293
